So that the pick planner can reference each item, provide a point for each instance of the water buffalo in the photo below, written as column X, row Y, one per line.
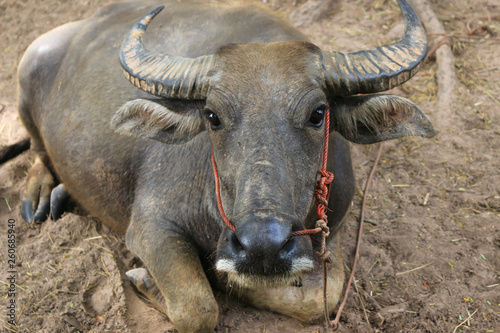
column 232, row 79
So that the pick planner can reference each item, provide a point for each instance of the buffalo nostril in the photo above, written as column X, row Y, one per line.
column 236, row 244
column 288, row 248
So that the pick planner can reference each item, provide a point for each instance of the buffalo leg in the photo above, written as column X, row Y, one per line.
column 36, row 199
column 177, row 271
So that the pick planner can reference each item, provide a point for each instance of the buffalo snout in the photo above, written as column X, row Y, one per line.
column 262, row 249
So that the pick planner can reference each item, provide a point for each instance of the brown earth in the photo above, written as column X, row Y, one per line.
column 430, row 255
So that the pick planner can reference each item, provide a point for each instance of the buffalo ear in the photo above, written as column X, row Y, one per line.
column 373, row 118
column 153, row 120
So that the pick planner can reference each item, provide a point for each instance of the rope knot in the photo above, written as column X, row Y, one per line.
column 323, row 254
column 324, row 227
column 335, row 326
column 322, row 192
column 320, row 198
column 326, row 175
column 325, row 257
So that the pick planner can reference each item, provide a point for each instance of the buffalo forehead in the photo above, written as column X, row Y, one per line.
column 281, row 65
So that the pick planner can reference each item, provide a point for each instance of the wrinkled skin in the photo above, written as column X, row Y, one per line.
column 161, row 192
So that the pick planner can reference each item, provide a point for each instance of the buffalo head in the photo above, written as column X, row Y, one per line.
column 263, row 105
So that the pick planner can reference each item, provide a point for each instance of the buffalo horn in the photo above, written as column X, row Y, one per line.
column 162, row 74
column 381, row 68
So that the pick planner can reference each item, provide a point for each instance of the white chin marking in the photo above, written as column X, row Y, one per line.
column 292, row 278
column 236, row 280
column 302, row 264
column 226, row 265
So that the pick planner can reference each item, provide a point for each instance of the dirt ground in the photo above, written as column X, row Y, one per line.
column 429, row 259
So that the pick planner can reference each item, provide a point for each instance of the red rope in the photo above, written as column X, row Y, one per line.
column 322, row 192
column 217, row 191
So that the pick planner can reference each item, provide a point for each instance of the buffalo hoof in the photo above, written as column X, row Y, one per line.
column 36, row 199
column 146, row 288
column 58, row 197
column 30, row 215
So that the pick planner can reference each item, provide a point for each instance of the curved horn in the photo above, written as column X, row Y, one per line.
column 382, row 68
column 162, row 74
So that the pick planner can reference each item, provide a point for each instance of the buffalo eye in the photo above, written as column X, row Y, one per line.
column 317, row 116
column 213, row 119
